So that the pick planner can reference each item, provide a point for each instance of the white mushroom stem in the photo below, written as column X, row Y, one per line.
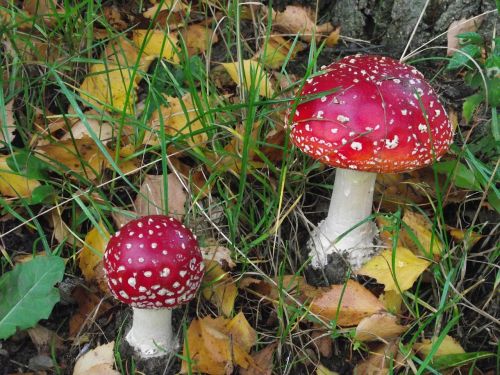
column 151, row 332
column 351, row 204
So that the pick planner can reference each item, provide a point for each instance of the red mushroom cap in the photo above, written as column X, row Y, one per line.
column 153, row 262
column 377, row 115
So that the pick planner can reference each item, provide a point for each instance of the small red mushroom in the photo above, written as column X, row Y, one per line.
column 377, row 115
column 153, row 264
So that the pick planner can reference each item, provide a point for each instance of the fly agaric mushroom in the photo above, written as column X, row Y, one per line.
column 153, row 264
column 383, row 118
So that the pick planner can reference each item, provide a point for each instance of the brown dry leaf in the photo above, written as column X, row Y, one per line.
column 323, row 341
column 150, row 200
column 448, row 346
column 219, row 287
column 198, row 37
column 44, row 339
column 91, row 253
column 399, row 189
column 90, row 308
column 463, row 25
column 254, row 76
column 173, row 6
column 332, row 39
column 171, row 13
column 262, row 361
column 12, row 184
column 98, row 361
column 383, row 358
column 299, row 20
column 114, row 18
column 110, row 87
column 7, row 125
column 349, row 306
column 157, row 43
column 408, row 268
column 79, row 129
column 122, row 217
column 219, row 254
column 45, row 9
column 276, row 50
column 216, row 346
column 180, row 119
column 197, row 178
column 381, row 326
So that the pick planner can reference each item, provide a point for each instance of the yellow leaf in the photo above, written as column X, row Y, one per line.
column 276, row 50
column 392, row 301
column 382, row 358
column 91, row 253
column 180, row 119
column 408, row 268
column 157, row 43
column 254, row 76
column 198, row 37
column 242, row 332
column 322, row 370
column 333, row 38
column 382, row 326
column 422, row 229
column 110, row 87
column 348, row 304
column 78, row 155
column 12, row 184
column 448, row 346
column 214, row 348
column 221, row 289
column 469, row 237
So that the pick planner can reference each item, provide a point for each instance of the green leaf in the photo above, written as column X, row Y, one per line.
column 494, row 200
column 463, row 177
column 27, row 293
column 470, row 105
column 42, row 194
column 471, row 37
column 28, row 165
column 462, row 57
column 459, row 359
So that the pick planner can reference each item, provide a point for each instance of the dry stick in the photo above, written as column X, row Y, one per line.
column 414, row 30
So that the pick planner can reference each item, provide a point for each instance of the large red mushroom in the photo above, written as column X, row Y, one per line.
column 153, row 264
column 377, row 115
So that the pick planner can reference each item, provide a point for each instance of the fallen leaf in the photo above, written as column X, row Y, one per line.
column 121, row 51
column 468, row 237
column 7, row 123
column 381, row 326
column 219, row 287
column 198, row 37
column 408, row 268
column 98, row 361
column 157, row 43
column 90, row 308
column 463, row 25
column 110, row 87
column 91, row 254
column 12, row 184
column 448, row 346
column 348, row 304
column 79, row 129
column 43, row 9
column 298, row 20
column 323, row 341
column 151, row 199
column 180, row 119
column 171, row 13
column 262, row 361
column 254, row 76
column 44, row 339
column 428, row 243
column 215, row 345
column 383, row 358
column 122, row 217
column 114, row 18
column 392, row 301
column 219, row 254
column 322, row 370
column 277, row 50
column 333, row 38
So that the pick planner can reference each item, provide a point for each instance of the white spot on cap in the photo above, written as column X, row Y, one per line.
column 123, row 294
column 141, row 260
column 334, row 130
column 154, row 245
column 128, row 246
column 320, row 114
column 390, row 144
column 343, row 119
column 165, row 272
column 182, row 273
column 148, row 273
column 356, row 146
column 422, row 128
column 404, row 112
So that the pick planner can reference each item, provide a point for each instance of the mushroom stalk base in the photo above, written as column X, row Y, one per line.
column 342, row 230
column 151, row 332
